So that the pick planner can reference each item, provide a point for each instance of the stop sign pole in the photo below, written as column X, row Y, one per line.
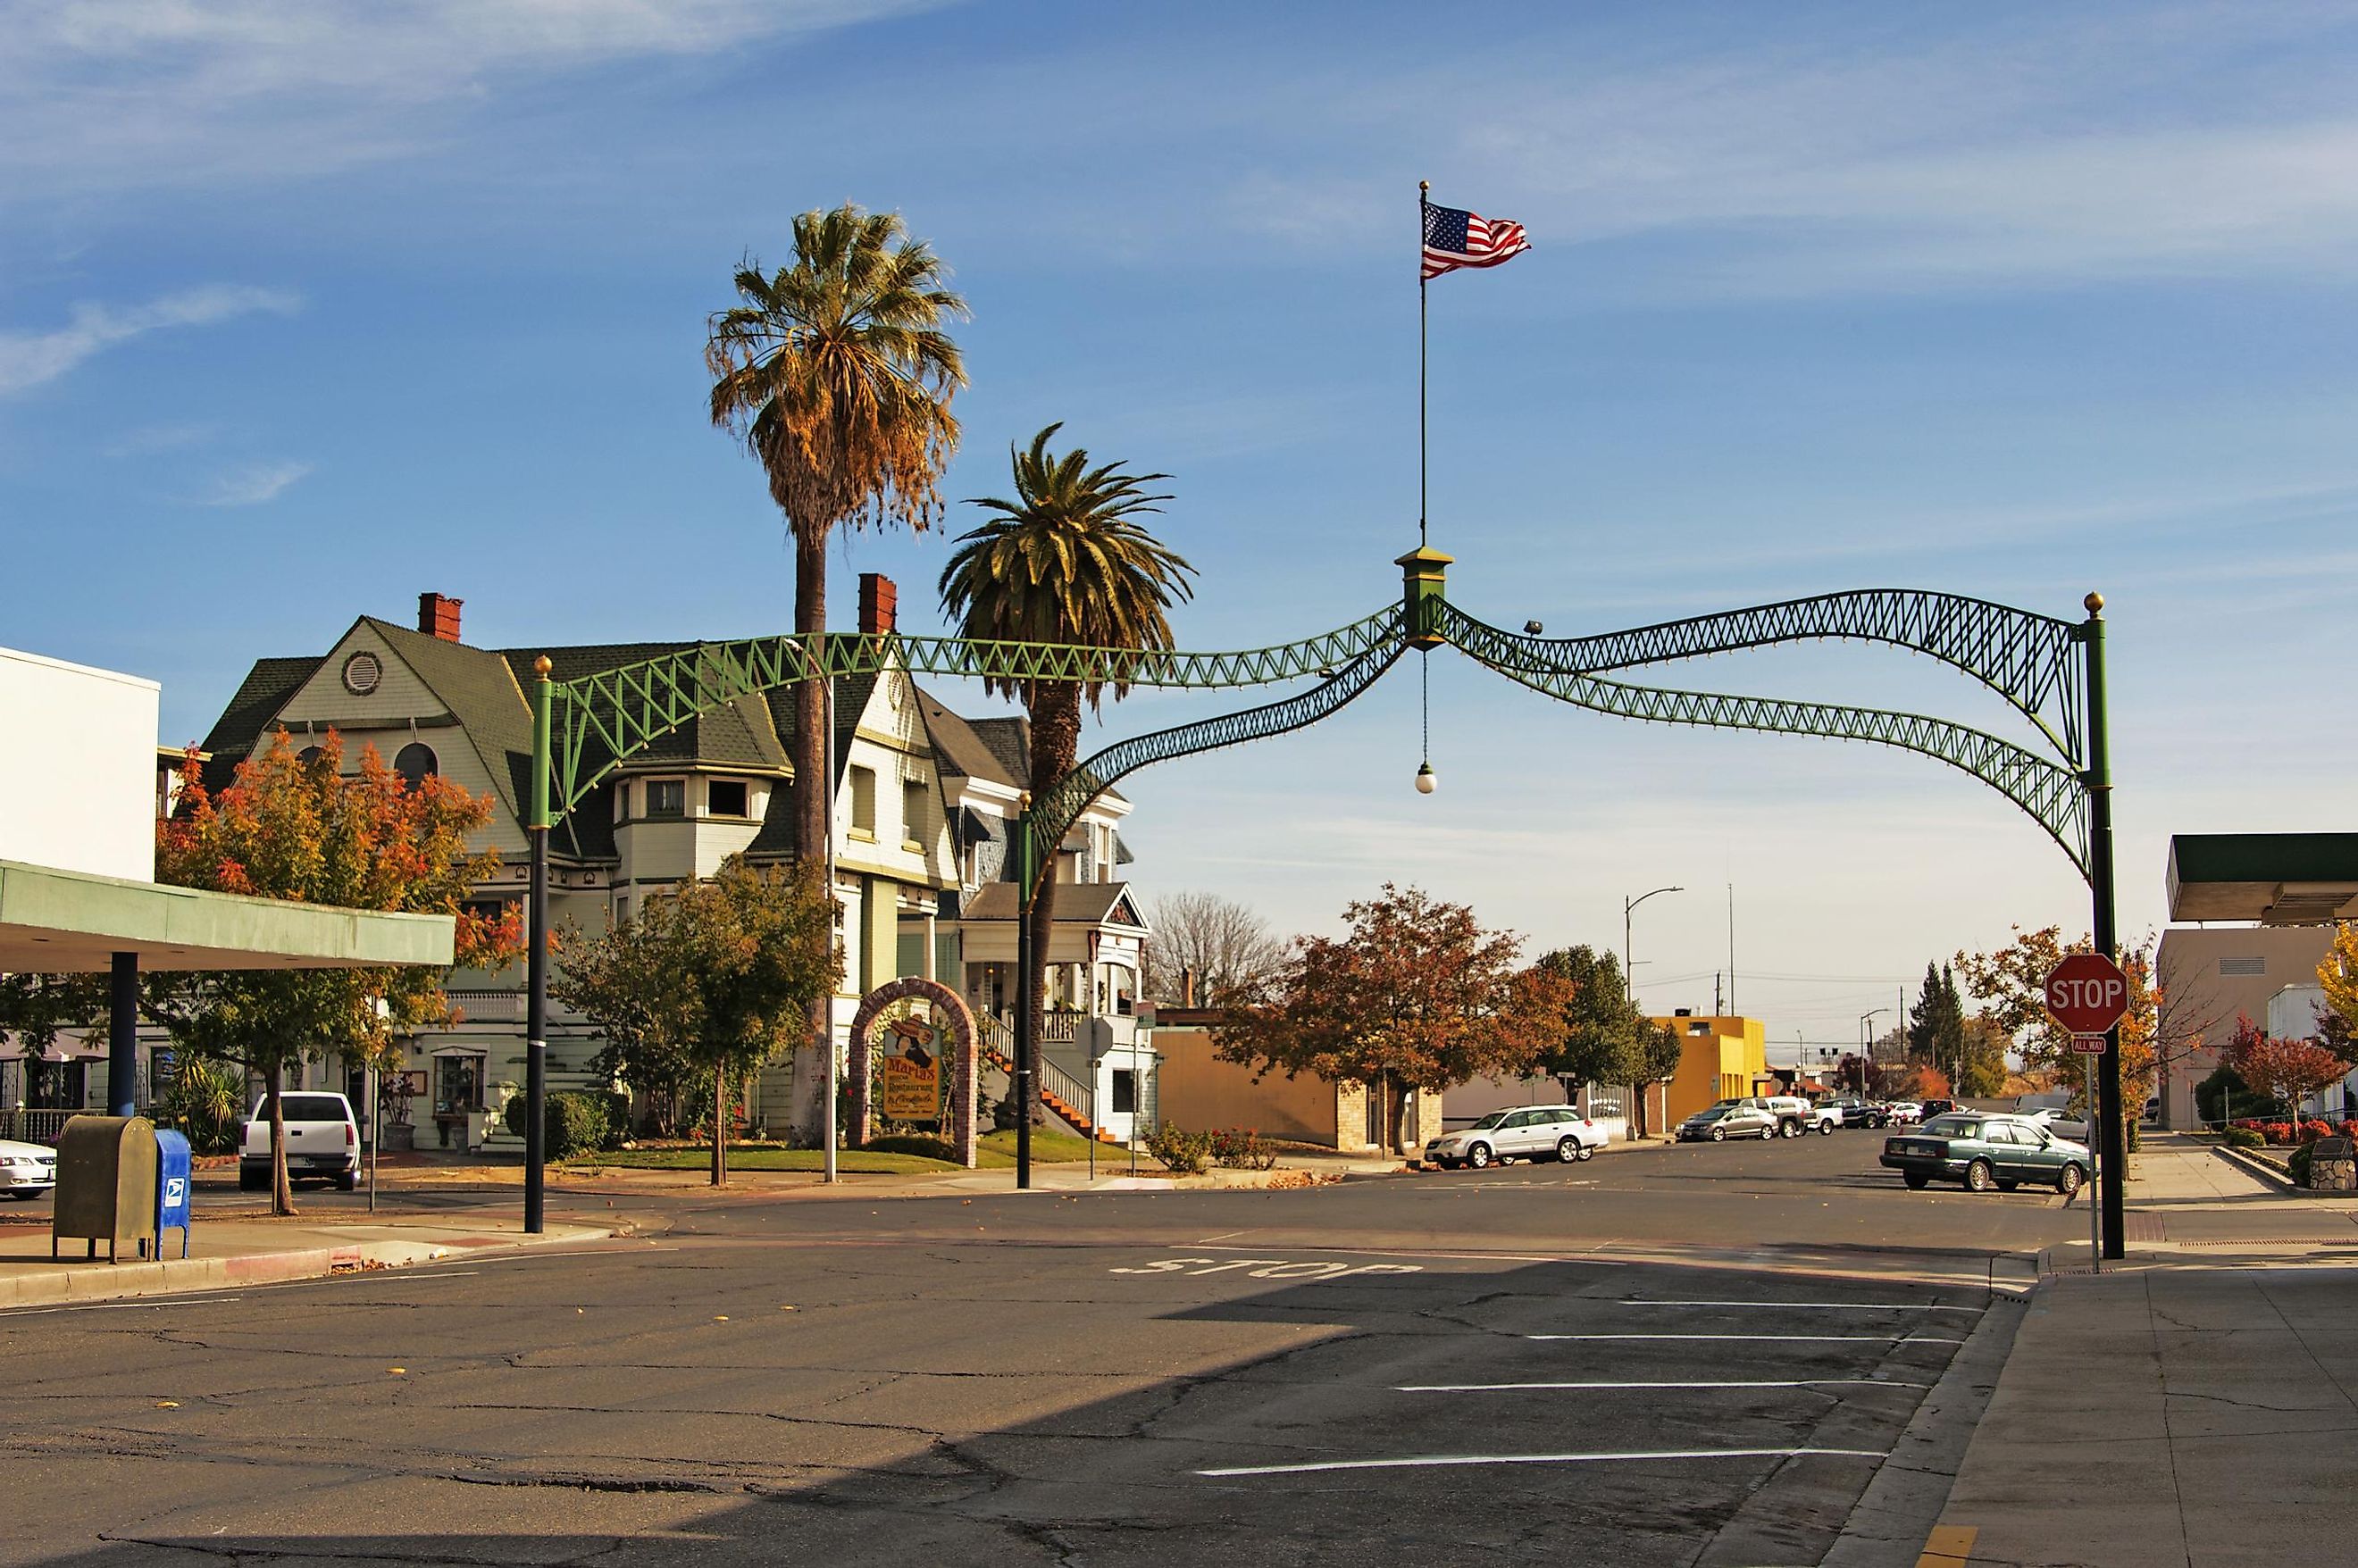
column 2113, row 1155
column 2087, row 994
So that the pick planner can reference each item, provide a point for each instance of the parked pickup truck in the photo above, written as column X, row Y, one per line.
column 1796, row 1116
column 1852, row 1110
column 323, row 1141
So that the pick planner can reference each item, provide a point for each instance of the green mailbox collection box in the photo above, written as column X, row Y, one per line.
column 106, row 1183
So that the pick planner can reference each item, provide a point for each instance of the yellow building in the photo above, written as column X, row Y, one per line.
column 1725, row 1058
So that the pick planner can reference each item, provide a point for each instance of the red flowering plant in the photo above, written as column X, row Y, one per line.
column 298, row 826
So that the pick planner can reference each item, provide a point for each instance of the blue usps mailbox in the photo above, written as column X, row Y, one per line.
column 173, row 1170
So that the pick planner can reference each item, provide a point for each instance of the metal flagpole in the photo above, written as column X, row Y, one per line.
column 1424, row 201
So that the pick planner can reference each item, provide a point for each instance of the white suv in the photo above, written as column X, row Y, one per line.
column 1534, row 1132
column 322, row 1142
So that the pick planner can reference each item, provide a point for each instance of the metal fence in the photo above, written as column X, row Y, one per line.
column 23, row 1126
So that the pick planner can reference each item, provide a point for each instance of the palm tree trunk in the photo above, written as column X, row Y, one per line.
column 814, row 788
column 282, row 1191
column 1055, row 709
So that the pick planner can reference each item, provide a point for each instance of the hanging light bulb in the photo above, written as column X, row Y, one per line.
column 1427, row 781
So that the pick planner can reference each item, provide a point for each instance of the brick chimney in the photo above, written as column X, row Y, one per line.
column 877, row 596
column 438, row 617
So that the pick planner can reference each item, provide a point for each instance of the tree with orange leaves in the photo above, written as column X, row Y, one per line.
column 292, row 826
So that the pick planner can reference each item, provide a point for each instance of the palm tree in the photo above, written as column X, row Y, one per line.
column 1066, row 562
column 837, row 374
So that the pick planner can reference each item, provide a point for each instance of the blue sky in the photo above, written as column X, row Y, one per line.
column 305, row 309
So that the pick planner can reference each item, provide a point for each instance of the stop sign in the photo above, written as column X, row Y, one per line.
column 2087, row 993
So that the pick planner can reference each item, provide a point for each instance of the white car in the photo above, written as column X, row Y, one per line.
column 1532, row 1132
column 1796, row 1116
column 2066, row 1124
column 27, row 1170
column 1905, row 1112
column 322, row 1141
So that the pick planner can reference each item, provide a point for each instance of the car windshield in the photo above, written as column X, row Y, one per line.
column 1711, row 1113
column 1953, row 1127
column 1487, row 1122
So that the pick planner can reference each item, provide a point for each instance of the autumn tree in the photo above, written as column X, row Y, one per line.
column 1418, row 995
column 2010, row 984
column 717, row 976
column 1586, row 1028
column 2338, row 974
column 300, row 828
column 2290, row 1070
column 1978, row 1071
column 1222, row 945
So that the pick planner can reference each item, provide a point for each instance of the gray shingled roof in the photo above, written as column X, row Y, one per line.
column 957, row 748
column 259, row 697
column 1087, row 903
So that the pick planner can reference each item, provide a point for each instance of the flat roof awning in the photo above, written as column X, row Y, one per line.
column 2274, row 879
column 60, row 922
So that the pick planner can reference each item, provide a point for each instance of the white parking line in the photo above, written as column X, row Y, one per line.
column 1820, row 1306
column 1769, row 1338
column 1431, row 1461
column 1781, row 1383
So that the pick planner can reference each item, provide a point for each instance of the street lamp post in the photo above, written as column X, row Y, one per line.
column 1866, row 1044
column 1629, row 965
column 1629, row 980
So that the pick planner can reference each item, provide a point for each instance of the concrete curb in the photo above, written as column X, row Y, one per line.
column 1911, row 1489
column 85, row 1282
column 2260, row 1168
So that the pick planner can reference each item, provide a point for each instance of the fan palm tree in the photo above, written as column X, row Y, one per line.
column 837, row 375
column 1066, row 561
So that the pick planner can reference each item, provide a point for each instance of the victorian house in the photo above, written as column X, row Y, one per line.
column 925, row 801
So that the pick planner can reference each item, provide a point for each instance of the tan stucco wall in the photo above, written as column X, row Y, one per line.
column 2202, row 999
column 1197, row 1090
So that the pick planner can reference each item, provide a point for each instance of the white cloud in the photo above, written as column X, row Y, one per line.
column 254, row 484
column 29, row 359
column 142, row 92
column 2159, row 143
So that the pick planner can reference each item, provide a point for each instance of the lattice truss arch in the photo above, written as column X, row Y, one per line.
column 2031, row 661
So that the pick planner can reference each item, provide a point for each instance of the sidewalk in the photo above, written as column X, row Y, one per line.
column 2188, row 1408
column 230, row 1253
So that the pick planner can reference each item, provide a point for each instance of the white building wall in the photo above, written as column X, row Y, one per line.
column 80, row 794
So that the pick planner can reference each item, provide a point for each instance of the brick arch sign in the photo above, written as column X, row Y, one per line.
column 959, row 1130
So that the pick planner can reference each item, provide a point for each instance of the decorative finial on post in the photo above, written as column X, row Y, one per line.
column 1424, row 185
column 541, row 666
column 2095, row 603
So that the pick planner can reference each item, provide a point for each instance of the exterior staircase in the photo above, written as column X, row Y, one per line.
column 1066, row 1096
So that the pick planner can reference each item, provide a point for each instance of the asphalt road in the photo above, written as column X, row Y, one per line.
column 1695, row 1356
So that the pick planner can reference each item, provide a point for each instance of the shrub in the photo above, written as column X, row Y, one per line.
column 914, row 1143
column 1181, row 1152
column 2242, row 1137
column 2297, row 1164
column 205, row 1101
column 1242, row 1149
column 2276, row 1132
column 2309, row 1131
column 2225, row 1091
column 577, row 1121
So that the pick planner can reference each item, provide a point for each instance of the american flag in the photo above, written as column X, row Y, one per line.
column 1455, row 238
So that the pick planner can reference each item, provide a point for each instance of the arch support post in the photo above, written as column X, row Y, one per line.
column 1424, row 591
column 2113, row 1155
column 1027, row 1000
column 535, row 1024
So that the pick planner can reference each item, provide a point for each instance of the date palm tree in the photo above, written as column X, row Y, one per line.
column 1066, row 561
column 836, row 373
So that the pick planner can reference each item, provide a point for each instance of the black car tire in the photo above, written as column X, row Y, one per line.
column 1826, row 1130
column 1719, row 1135
column 1478, row 1156
column 1567, row 1150
column 1917, row 1180
column 1979, row 1177
column 1588, row 1151
column 2069, row 1180
column 1769, row 1132
column 252, row 1180
column 350, row 1181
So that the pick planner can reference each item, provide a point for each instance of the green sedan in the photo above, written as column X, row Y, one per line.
column 1984, row 1151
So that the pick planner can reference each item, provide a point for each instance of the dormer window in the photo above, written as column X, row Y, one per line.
column 666, row 797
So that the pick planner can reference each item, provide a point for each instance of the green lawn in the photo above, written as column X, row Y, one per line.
column 997, row 1152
